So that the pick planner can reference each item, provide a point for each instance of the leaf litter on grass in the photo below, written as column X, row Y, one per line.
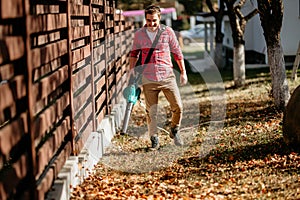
column 248, row 161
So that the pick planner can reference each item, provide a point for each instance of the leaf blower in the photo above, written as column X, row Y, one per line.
column 132, row 94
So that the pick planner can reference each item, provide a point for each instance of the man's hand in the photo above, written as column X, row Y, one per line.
column 183, row 78
column 131, row 76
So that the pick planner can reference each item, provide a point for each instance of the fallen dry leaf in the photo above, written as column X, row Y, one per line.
column 248, row 161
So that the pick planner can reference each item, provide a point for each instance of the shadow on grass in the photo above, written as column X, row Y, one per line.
column 250, row 112
column 237, row 113
column 227, row 75
column 241, row 153
column 233, row 87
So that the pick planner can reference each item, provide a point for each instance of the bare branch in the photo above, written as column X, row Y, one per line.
column 231, row 2
column 210, row 7
column 263, row 6
column 251, row 14
column 240, row 4
column 222, row 5
column 238, row 12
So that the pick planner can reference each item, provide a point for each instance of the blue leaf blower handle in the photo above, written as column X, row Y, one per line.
column 132, row 94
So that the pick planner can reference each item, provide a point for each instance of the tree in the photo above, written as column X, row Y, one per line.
column 218, row 15
column 134, row 4
column 238, row 24
column 272, row 11
column 191, row 6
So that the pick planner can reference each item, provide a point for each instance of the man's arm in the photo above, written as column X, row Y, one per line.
column 178, row 56
column 183, row 76
column 132, row 62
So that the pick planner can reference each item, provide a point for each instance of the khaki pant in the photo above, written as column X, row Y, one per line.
column 151, row 91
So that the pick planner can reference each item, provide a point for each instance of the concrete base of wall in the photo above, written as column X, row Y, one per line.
column 77, row 168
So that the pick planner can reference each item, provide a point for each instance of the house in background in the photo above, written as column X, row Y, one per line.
column 255, row 45
column 290, row 34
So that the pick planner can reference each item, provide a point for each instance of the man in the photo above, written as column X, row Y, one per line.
column 158, row 73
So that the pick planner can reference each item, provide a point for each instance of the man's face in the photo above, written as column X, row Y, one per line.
column 152, row 21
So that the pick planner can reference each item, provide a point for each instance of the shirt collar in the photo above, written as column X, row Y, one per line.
column 145, row 27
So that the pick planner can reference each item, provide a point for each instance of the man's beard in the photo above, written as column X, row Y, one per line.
column 152, row 28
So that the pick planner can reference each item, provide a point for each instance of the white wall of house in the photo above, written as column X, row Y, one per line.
column 227, row 40
column 290, row 33
column 254, row 38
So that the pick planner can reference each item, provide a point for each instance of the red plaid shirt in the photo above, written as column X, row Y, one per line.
column 160, row 64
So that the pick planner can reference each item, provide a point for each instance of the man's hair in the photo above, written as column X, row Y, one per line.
column 152, row 9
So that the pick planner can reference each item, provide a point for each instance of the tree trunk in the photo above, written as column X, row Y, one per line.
column 280, row 89
column 239, row 74
column 238, row 23
column 219, row 60
column 271, row 15
column 218, row 15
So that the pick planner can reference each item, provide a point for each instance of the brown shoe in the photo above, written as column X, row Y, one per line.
column 174, row 131
column 154, row 143
column 174, row 134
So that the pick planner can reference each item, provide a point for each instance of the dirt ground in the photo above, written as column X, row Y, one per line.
column 233, row 149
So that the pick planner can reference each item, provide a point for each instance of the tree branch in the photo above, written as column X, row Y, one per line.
column 210, row 7
column 238, row 12
column 263, row 7
column 251, row 14
column 240, row 4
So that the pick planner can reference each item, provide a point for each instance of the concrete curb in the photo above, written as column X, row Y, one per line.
column 77, row 168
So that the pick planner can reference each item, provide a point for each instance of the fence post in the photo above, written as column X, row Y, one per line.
column 92, row 67
column 106, row 39
column 30, row 103
column 72, row 121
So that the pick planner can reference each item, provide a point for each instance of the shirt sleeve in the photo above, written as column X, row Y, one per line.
column 135, row 50
column 174, row 45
